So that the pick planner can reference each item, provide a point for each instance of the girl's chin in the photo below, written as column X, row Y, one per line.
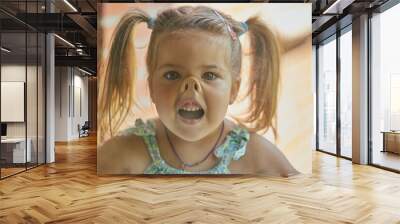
column 189, row 122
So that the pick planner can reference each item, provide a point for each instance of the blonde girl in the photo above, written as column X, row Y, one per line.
column 194, row 63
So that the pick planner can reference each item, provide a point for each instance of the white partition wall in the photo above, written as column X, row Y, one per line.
column 71, row 102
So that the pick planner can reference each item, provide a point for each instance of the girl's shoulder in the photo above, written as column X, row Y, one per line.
column 125, row 153
column 143, row 128
column 263, row 157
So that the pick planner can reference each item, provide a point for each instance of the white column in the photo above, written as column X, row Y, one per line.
column 50, row 110
column 360, row 90
column 50, row 93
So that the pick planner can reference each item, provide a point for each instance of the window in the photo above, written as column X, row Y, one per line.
column 346, row 93
column 394, row 102
column 327, row 96
column 385, row 89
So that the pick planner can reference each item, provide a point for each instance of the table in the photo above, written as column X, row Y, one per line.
column 13, row 150
column 391, row 141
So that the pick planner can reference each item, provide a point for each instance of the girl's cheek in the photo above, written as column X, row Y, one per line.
column 220, row 87
column 168, row 92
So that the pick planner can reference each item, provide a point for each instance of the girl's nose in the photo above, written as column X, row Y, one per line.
column 190, row 83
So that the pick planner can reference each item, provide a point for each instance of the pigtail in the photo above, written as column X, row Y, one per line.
column 119, row 75
column 263, row 78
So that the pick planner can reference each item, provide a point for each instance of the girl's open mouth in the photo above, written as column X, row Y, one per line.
column 190, row 110
column 191, row 114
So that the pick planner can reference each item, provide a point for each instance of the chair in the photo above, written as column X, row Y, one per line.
column 84, row 130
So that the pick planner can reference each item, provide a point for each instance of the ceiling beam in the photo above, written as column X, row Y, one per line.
column 84, row 61
column 84, row 24
column 337, row 6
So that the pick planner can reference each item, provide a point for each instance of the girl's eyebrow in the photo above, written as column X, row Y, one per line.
column 216, row 67
column 169, row 66
column 210, row 66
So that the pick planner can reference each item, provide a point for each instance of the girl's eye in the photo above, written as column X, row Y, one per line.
column 171, row 75
column 209, row 76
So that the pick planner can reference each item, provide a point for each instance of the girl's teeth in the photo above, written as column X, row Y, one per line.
column 191, row 109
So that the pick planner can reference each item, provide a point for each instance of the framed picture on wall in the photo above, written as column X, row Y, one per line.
column 12, row 101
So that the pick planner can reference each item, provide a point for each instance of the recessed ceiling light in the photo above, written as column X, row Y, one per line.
column 337, row 7
column 64, row 40
column 70, row 5
column 5, row 50
column 84, row 71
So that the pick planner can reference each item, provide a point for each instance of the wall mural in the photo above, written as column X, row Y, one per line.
column 205, row 89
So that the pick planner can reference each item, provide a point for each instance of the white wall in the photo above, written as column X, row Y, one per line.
column 71, row 94
column 61, row 103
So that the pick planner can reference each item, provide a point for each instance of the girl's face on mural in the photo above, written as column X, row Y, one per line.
column 192, row 84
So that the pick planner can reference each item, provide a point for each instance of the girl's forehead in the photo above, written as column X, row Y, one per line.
column 192, row 34
column 200, row 45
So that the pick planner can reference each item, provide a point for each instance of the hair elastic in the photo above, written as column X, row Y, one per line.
column 231, row 32
column 151, row 22
column 245, row 28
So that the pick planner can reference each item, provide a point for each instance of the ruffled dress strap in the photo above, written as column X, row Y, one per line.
column 148, row 133
column 234, row 147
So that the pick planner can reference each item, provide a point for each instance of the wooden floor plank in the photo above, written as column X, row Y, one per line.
column 69, row 191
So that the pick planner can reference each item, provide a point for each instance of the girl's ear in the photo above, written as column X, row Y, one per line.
column 234, row 90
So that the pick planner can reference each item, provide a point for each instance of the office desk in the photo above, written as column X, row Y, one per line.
column 13, row 150
column 391, row 141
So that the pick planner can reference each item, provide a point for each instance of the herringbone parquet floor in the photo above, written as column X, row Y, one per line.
column 69, row 191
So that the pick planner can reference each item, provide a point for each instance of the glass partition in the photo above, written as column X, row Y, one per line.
column 327, row 96
column 14, row 152
column 22, row 89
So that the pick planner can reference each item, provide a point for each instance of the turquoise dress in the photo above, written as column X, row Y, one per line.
column 233, row 148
